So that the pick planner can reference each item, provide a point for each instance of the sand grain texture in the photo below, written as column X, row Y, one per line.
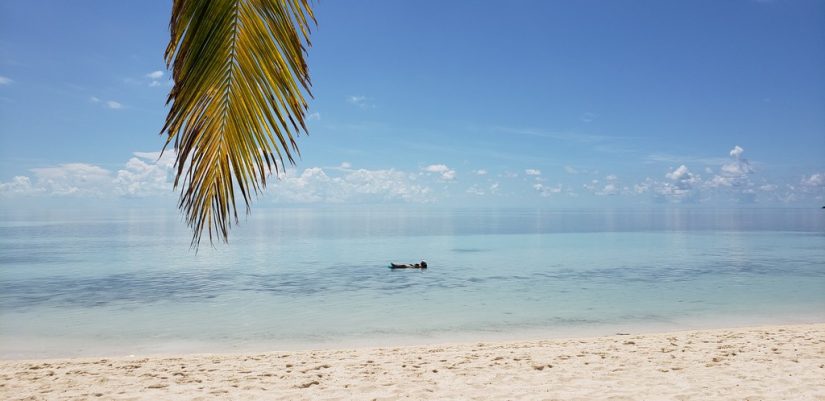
column 769, row 363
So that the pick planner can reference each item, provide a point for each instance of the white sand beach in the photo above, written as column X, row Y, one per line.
column 763, row 363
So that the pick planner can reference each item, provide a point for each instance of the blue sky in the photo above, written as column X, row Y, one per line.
column 529, row 103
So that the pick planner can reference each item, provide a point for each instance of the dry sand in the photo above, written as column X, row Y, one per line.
column 767, row 363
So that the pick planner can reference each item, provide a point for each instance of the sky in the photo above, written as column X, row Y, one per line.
column 553, row 104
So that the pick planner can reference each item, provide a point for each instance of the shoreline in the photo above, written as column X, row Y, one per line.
column 12, row 348
column 764, row 362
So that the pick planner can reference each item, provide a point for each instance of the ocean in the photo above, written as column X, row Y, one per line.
column 81, row 284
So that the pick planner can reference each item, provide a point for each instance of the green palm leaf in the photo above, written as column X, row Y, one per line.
column 237, row 103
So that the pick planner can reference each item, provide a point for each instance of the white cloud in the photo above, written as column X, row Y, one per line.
column 813, row 181
column 811, row 186
column 734, row 173
column 19, row 185
column 735, row 169
column 788, row 196
column 316, row 116
column 94, row 99
column 680, row 186
column 740, row 168
column 113, row 105
column 73, row 179
column 609, row 187
column 146, row 174
column 643, row 187
column 361, row 102
column 508, row 174
column 570, row 170
column 679, row 174
column 308, row 187
column 143, row 175
column 356, row 99
column 546, row 191
column 436, row 168
column 736, row 152
column 154, row 78
column 314, row 185
column 732, row 180
column 6, row 80
column 446, row 173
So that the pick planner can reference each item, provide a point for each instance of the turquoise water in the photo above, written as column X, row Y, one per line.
column 74, row 284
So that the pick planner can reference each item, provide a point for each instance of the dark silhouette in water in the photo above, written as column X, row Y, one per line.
column 422, row 265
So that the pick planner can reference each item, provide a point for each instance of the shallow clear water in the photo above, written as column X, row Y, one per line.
column 87, row 285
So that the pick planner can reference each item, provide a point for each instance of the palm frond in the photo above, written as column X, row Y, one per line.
column 237, row 103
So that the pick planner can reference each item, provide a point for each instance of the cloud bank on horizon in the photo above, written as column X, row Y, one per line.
column 150, row 175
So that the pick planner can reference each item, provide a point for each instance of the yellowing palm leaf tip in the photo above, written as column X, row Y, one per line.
column 237, row 103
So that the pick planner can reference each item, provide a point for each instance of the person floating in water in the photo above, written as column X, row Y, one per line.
column 422, row 265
